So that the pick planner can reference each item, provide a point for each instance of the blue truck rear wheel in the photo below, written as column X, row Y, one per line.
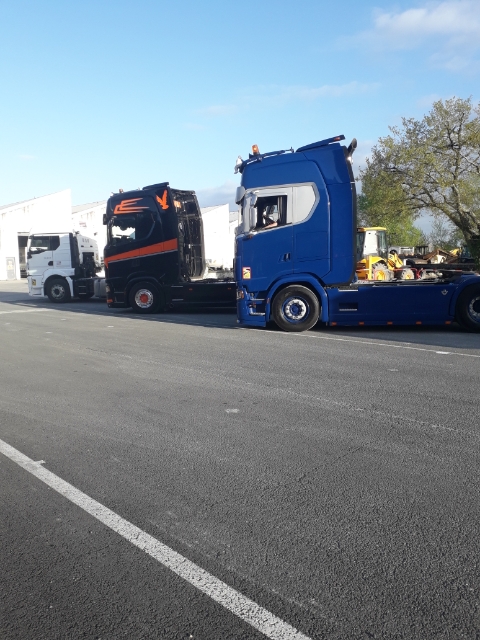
column 468, row 308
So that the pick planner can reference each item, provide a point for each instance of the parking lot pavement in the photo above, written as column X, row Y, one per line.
column 328, row 478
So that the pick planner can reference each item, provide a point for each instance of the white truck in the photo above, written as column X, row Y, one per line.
column 63, row 265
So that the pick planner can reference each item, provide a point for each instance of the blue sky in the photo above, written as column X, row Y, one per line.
column 102, row 94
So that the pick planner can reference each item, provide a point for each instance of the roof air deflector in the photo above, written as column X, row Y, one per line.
column 321, row 143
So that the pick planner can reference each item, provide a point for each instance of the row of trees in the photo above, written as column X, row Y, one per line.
column 427, row 166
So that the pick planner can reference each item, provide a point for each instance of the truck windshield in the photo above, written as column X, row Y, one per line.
column 123, row 229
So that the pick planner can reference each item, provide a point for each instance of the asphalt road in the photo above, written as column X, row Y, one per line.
column 330, row 479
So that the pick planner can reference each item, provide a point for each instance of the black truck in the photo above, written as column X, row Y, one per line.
column 154, row 257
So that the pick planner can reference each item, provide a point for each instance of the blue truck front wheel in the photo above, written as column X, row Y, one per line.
column 295, row 308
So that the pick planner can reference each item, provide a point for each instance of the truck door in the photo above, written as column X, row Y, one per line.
column 267, row 250
column 40, row 253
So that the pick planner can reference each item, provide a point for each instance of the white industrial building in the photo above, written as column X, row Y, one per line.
column 88, row 219
column 218, row 236
column 19, row 220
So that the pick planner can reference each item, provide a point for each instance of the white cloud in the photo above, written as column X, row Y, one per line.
column 25, row 156
column 458, row 20
column 280, row 95
column 223, row 194
column 451, row 27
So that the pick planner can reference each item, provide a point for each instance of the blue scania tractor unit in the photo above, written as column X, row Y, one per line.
column 295, row 251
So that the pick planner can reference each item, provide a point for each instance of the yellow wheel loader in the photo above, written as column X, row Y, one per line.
column 374, row 262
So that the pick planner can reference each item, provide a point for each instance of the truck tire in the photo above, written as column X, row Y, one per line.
column 144, row 297
column 295, row 308
column 58, row 290
column 467, row 310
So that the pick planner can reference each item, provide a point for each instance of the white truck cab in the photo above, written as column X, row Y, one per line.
column 63, row 265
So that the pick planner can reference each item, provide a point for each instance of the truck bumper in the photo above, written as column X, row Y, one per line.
column 247, row 314
column 35, row 286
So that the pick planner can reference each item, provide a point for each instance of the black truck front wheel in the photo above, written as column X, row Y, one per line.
column 468, row 308
column 295, row 308
column 57, row 290
column 145, row 298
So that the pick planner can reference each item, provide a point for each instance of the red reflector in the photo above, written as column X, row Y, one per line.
column 333, row 324
column 418, row 322
column 448, row 322
column 361, row 323
column 389, row 322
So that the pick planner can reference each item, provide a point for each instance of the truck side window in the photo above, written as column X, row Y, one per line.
column 38, row 244
column 271, row 211
column 305, row 199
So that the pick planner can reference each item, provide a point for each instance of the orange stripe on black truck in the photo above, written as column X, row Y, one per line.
column 151, row 250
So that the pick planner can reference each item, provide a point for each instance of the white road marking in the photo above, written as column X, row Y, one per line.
column 232, row 410
column 380, row 344
column 23, row 311
column 241, row 606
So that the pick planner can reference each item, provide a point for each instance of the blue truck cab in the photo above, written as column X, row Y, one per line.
column 295, row 251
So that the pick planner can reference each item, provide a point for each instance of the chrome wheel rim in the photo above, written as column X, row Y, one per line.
column 474, row 309
column 58, row 291
column 144, row 298
column 295, row 309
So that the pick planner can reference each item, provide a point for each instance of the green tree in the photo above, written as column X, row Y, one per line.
column 431, row 166
column 382, row 203
column 444, row 235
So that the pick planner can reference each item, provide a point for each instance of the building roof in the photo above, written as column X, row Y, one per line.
column 207, row 209
column 15, row 204
column 90, row 205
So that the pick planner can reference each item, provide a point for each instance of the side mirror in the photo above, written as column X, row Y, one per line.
column 239, row 194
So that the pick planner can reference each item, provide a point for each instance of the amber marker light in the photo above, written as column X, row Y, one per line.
column 255, row 150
